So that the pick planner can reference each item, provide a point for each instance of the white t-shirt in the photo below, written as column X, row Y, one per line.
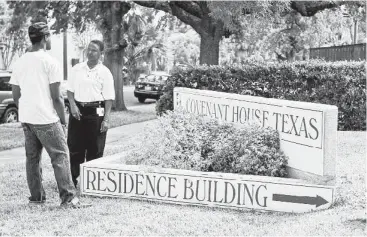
column 33, row 73
column 89, row 85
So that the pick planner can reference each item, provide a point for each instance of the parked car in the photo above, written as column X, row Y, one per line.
column 8, row 109
column 151, row 86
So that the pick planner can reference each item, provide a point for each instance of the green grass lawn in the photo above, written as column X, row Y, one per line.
column 116, row 216
column 11, row 135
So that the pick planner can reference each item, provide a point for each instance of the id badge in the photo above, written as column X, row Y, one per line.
column 100, row 111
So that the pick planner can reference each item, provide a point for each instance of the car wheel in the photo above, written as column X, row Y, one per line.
column 10, row 115
column 141, row 99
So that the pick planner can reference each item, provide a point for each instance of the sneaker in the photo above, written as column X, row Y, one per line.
column 75, row 203
column 32, row 201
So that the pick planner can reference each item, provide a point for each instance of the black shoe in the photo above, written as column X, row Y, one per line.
column 37, row 201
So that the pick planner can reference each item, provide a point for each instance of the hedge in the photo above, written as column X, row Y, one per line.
column 335, row 83
column 187, row 141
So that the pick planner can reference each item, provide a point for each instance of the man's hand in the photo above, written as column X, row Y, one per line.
column 104, row 126
column 75, row 111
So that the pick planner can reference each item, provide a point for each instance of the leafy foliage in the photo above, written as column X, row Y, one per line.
column 234, row 13
column 276, row 37
column 339, row 83
column 186, row 141
column 182, row 43
column 145, row 51
column 214, row 19
column 13, row 40
column 185, row 47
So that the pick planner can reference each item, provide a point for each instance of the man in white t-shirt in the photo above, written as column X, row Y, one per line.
column 35, row 83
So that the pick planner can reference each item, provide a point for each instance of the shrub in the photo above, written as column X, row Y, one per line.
column 187, row 141
column 335, row 83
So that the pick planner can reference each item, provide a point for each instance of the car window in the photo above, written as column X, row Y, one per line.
column 150, row 78
column 4, row 84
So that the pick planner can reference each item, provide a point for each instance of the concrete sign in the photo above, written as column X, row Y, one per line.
column 203, row 188
column 308, row 131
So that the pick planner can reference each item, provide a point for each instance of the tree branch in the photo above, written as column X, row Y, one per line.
column 175, row 10
column 190, row 7
column 204, row 7
column 191, row 20
column 163, row 6
column 310, row 8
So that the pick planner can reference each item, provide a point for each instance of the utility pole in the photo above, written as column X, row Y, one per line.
column 355, row 31
column 65, row 54
column 2, row 46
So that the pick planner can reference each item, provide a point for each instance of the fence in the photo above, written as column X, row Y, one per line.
column 354, row 52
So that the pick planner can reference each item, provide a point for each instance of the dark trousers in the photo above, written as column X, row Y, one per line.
column 85, row 140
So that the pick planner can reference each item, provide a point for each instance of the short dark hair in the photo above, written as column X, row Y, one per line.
column 37, row 31
column 35, row 40
column 99, row 43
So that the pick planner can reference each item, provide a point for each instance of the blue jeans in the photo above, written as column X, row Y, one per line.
column 52, row 138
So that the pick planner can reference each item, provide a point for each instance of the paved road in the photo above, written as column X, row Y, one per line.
column 131, row 100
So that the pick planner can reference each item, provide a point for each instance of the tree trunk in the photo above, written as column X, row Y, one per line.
column 209, row 50
column 113, row 63
column 211, row 34
column 112, row 37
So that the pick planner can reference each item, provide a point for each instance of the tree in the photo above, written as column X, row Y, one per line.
column 289, row 37
column 184, row 47
column 143, row 50
column 180, row 40
column 355, row 15
column 13, row 40
column 213, row 20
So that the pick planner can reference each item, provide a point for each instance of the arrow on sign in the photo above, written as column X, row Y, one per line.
column 318, row 201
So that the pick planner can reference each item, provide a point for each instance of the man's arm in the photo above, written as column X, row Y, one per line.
column 106, row 120
column 107, row 109
column 108, row 93
column 73, row 107
column 58, row 101
column 16, row 94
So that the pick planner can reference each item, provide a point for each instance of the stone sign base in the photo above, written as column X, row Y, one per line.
column 312, row 178
column 108, row 176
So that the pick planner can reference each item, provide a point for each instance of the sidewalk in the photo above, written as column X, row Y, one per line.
column 113, row 135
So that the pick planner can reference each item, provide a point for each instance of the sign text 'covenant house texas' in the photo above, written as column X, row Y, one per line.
column 303, row 126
